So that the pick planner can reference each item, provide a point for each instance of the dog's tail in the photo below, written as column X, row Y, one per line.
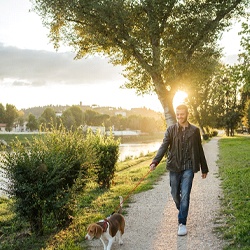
column 121, row 205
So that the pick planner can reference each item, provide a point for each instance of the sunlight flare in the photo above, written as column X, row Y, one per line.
column 179, row 98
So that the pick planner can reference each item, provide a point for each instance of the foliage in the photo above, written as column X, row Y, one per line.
column 229, row 107
column 107, row 153
column 72, row 118
column 94, row 118
column 32, row 123
column 245, row 55
column 247, row 114
column 234, row 170
column 43, row 178
column 244, row 66
column 220, row 102
column 8, row 115
column 158, row 42
column 2, row 113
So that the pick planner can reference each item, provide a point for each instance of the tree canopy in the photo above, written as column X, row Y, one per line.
column 158, row 42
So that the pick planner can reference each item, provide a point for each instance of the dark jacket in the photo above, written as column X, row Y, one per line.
column 172, row 145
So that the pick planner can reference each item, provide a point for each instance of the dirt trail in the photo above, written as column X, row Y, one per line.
column 151, row 220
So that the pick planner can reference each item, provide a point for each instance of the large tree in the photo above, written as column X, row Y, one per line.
column 157, row 41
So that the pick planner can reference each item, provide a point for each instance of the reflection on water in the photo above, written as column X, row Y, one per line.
column 137, row 149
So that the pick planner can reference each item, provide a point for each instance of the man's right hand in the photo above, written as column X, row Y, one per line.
column 152, row 166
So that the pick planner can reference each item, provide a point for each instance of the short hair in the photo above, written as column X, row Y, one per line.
column 182, row 106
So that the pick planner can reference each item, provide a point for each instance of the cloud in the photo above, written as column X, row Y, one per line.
column 21, row 83
column 38, row 67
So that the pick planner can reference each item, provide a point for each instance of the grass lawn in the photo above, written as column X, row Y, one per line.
column 21, row 137
column 234, row 170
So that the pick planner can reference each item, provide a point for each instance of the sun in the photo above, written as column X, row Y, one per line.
column 179, row 98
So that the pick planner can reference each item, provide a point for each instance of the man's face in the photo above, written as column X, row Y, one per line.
column 181, row 116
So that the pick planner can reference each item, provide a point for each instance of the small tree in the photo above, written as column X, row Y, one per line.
column 32, row 123
column 107, row 152
column 48, row 118
column 11, row 115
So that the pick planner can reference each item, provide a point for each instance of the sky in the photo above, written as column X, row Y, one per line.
column 33, row 74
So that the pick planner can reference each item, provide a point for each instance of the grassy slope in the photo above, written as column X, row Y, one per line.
column 234, row 169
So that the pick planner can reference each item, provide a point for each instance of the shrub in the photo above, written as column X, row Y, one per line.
column 214, row 132
column 205, row 136
column 107, row 153
column 43, row 178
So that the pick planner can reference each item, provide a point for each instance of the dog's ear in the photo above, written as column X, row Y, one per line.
column 98, row 231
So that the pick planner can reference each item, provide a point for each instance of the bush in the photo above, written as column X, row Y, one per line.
column 205, row 136
column 107, row 152
column 43, row 178
column 214, row 132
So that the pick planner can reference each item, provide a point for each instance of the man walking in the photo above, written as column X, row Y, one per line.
column 182, row 142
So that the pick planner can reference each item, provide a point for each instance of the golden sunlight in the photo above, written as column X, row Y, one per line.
column 179, row 98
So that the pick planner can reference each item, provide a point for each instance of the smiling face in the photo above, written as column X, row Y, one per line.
column 182, row 116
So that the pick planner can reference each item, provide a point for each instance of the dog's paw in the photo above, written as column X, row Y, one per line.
column 120, row 242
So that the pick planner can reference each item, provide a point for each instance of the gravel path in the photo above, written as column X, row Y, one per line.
column 151, row 220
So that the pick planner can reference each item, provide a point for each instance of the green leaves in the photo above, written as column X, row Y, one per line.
column 41, row 176
column 45, row 175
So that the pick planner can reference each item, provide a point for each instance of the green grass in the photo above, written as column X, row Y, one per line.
column 9, row 138
column 234, row 170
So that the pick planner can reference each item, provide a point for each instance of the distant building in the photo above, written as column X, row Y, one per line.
column 125, row 132
column 122, row 113
column 94, row 129
column 3, row 127
column 58, row 114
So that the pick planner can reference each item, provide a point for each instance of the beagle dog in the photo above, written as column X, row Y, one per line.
column 108, row 229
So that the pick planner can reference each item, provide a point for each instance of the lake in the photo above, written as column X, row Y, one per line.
column 137, row 149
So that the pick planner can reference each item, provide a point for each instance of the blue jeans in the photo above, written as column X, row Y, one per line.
column 181, row 184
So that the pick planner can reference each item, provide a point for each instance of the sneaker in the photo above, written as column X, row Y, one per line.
column 182, row 230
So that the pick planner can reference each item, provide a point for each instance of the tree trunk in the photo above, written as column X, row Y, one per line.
column 166, row 99
column 197, row 117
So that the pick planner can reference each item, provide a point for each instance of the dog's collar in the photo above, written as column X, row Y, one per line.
column 105, row 225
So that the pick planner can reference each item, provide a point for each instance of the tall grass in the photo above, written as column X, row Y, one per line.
column 234, row 169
